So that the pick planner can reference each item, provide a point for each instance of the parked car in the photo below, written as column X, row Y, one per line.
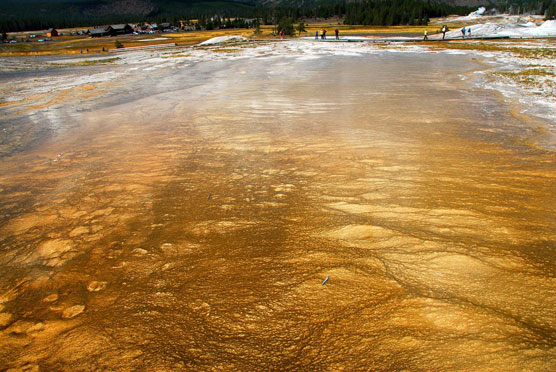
column 13, row 41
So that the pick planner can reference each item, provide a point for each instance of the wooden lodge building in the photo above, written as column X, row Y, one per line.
column 121, row 29
column 146, row 28
column 51, row 32
column 112, row 30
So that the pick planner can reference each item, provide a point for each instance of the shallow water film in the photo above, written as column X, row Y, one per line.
column 185, row 218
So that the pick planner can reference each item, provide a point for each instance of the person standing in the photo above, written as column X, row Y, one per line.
column 316, row 34
column 468, row 31
column 426, row 38
column 463, row 33
column 281, row 34
column 337, row 34
column 444, row 29
column 324, row 34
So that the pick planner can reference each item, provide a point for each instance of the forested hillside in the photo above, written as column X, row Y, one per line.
column 395, row 12
column 39, row 14
column 528, row 6
column 17, row 15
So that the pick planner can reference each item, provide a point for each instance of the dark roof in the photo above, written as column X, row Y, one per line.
column 120, row 26
column 99, row 30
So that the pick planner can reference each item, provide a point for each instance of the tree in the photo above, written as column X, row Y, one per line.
column 118, row 45
column 4, row 36
column 286, row 25
column 550, row 12
column 257, row 29
column 301, row 28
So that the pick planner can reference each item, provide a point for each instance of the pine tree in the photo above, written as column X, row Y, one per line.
column 550, row 12
column 257, row 28
column 301, row 28
column 286, row 25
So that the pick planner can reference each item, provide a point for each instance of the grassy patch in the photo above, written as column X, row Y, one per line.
column 225, row 50
column 537, row 79
column 493, row 46
column 91, row 62
column 534, row 72
column 177, row 55
column 95, row 62
column 540, row 78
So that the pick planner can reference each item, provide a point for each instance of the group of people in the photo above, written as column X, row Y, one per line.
column 445, row 29
column 337, row 33
column 323, row 34
column 463, row 32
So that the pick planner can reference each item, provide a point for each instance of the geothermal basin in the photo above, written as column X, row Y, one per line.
column 180, row 213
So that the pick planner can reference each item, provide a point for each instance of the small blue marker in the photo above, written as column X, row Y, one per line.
column 325, row 280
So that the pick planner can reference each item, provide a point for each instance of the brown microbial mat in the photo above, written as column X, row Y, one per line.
column 184, row 218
